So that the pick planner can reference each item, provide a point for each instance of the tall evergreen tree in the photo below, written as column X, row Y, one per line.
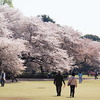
column 46, row 18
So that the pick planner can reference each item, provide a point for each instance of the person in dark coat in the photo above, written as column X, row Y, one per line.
column 58, row 83
column 14, row 77
column 3, row 78
column 96, row 75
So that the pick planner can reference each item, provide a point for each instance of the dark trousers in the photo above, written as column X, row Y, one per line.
column 72, row 90
column 2, row 82
column 58, row 89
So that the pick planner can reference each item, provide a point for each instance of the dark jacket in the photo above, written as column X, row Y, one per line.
column 58, row 80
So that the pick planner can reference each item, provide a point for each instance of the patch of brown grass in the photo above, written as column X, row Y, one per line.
column 15, row 99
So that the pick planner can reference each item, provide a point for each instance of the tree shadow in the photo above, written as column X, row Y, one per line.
column 40, row 87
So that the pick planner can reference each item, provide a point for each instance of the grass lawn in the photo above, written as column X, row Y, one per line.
column 45, row 90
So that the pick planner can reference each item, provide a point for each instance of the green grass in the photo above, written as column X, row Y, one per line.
column 45, row 90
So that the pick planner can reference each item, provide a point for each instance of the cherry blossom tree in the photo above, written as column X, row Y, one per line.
column 10, row 48
column 9, row 51
column 50, row 47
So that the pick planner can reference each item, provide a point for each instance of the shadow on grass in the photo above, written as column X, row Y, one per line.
column 40, row 87
column 61, row 96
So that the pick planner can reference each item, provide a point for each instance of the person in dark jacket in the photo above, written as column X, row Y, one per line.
column 2, row 78
column 14, row 77
column 96, row 75
column 58, row 82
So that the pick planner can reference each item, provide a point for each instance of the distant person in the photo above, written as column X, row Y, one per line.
column 49, row 75
column 88, row 73
column 80, row 77
column 72, row 82
column 58, row 82
column 3, row 75
column 96, row 75
column 14, row 77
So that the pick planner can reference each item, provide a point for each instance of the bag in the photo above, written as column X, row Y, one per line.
column 68, row 84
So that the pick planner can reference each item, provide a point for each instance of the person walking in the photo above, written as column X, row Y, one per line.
column 80, row 77
column 3, row 75
column 14, row 77
column 58, row 82
column 72, row 82
column 96, row 75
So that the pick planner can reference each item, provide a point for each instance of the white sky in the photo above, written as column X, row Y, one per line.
column 82, row 15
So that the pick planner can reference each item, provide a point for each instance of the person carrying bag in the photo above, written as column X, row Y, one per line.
column 72, row 82
column 69, row 83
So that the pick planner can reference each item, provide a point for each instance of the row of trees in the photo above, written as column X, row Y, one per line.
column 92, row 37
column 29, row 43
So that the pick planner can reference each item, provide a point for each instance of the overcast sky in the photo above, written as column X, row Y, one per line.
column 82, row 15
